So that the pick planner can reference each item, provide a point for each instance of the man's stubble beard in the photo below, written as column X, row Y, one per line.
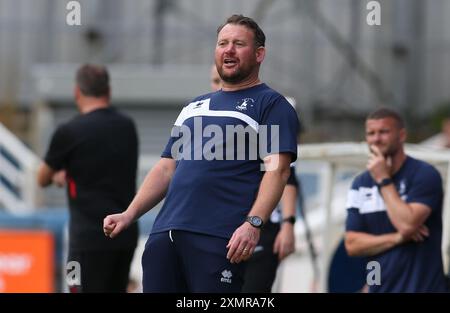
column 240, row 75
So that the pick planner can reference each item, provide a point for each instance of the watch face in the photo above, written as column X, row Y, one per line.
column 256, row 221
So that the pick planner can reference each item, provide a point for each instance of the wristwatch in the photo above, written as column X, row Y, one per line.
column 255, row 221
column 384, row 182
column 290, row 219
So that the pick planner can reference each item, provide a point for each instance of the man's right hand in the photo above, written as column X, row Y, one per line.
column 60, row 178
column 421, row 234
column 115, row 223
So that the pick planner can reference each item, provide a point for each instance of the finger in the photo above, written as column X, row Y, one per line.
column 243, row 250
column 372, row 155
column 276, row 250
column 389, row 161
column 418, row 237
column 371, row 161
column 286, row 251
column 276, row 247
column 117, row 229
column 108, row 230
column 375, row 150
column 238, row 258
column 424, row 232
column 107, row 221
column 247, row 253
column 109, row 226
column 240, row 252
column 231, row 240
column 232, row 249
column 233, row 252
column 251, row 250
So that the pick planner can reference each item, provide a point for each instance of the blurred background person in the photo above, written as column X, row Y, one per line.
column 95, row 156
column 394, row 212
column 442, row 139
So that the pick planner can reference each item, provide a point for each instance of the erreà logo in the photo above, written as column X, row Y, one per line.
column 226, row 276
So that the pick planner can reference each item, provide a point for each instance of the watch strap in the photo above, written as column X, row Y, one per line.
column 289, row 219
column 384, row 182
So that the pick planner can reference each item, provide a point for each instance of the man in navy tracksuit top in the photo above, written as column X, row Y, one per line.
column 218, row 194
column 395, row 213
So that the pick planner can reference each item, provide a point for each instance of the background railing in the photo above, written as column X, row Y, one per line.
column 18, row 165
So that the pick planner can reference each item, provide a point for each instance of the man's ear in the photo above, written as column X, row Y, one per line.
column 260, row 54
column 76, row 92
column 109, row 95
column 403, row 135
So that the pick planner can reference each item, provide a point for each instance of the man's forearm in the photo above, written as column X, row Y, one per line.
column 289, row 201
column 399, row 212
column 269, row 193
column 364, row 244
column 152, row 191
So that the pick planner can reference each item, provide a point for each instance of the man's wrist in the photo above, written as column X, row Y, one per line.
column 384, row 182
column 289, row 220
column 398, row 238
column 130, row 215
column 255, row 221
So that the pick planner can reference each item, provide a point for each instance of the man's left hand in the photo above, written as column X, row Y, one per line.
column 285, row 241
column 378, row 166
column 242, row 243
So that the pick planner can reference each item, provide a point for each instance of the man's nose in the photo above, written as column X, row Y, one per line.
column 373, row 139
column 230, row 48
column 376, row 138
